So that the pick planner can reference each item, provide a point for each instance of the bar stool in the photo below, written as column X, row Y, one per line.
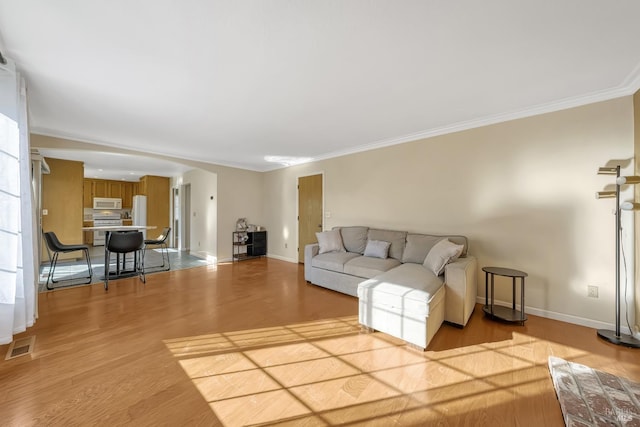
column 124, row 243
column 54, row 245
column 161, row 241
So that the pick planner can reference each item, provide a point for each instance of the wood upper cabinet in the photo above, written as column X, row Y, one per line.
column 100, row 188
column 142, row 185
column 108, row 188
column 157, row 190
column 115, row 189
column 127, row 195
column 87, row 195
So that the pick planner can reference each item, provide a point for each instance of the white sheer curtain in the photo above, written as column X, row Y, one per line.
column 18, row 269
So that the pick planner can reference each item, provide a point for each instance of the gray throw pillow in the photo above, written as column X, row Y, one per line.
column 377, row 249
column 441, row 254
column 396, row 238
column 330, row 241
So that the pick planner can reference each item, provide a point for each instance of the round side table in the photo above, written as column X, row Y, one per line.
column 497, row 311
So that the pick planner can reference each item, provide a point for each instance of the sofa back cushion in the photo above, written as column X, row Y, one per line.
column 419, row 245
column 396, row 238
column 354, row 239
column 330, row 241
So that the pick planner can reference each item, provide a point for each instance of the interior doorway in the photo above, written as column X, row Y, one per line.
column 310, row 201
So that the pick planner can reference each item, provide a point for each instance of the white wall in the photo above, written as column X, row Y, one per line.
column 239, row 196
column 204, row 212
column 522, row 191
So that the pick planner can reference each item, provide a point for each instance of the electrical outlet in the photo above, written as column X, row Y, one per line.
column 592, row 291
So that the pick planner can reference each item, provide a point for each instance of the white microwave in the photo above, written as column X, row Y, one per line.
column 106, row 203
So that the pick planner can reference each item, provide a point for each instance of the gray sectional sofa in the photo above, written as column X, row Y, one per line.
column 399, row 291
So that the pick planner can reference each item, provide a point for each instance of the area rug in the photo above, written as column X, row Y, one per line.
column 594, row 398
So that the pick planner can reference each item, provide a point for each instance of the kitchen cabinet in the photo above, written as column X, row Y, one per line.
column 62, row 194
column 124, row 190
column 143, row 185
column 88, row 235
column 87, row 195
column 157, row 189
column 127, row 195
column 100, row 188
column 115, row 189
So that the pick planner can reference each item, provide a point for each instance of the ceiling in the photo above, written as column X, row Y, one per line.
column 232, row 82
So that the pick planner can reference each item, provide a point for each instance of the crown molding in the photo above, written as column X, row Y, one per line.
column 632, row 84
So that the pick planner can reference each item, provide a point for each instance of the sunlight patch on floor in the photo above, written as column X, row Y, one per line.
column 329, row 372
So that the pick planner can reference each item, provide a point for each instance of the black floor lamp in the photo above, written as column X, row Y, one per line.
column 616, row 337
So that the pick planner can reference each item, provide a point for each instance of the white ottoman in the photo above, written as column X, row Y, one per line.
column 406, row 302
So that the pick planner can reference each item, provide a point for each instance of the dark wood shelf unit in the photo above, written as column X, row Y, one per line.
column 253, row 246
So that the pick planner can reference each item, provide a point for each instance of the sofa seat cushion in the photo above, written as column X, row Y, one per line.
column 368, row 267
column 408, row 287
column 333, row 261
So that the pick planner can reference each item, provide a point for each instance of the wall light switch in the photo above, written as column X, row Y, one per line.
column 45, row 211
column 327, row 214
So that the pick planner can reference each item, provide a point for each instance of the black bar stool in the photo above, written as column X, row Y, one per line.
column 161, row 241
column 54, row 245
column 124, row 243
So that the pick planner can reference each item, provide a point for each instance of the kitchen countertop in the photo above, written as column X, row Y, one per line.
column 119, row 227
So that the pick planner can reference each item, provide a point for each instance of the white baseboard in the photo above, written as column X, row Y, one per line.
column 278, row 257
column 589, row 323
column 211, row 259
column 281, row 258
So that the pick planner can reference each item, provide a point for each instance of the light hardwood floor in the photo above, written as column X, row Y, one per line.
column 252, row 344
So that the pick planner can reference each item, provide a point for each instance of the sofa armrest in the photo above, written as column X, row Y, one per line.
column 461, row 280
column 309, row 252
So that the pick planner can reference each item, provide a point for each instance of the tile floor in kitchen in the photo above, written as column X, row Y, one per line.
column 77, row 269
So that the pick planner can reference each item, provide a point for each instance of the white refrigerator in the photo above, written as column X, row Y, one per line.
column 139, row 212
